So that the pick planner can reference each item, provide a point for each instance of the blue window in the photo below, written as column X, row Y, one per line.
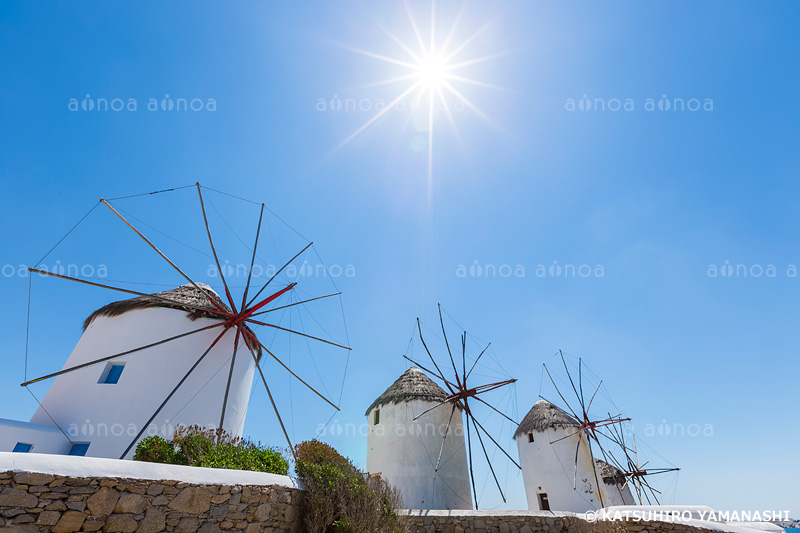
column 79, row 448
column 21, row 447
column 112, row 373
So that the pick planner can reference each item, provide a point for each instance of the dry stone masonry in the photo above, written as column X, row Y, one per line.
column 35, row 502
column 523, row 522
column 31, row 502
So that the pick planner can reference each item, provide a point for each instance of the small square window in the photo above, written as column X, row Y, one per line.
column 544, row 502
column 79, row 448
column 112, row 373
column 530, row 437
column 22, row 447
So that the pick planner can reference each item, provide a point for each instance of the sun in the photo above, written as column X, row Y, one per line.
column 433, row 70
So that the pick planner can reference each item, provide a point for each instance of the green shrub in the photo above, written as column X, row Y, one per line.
column 154, row 449
column 319, row 453
column 341, row 499
column 245, row 457
column 198, row 446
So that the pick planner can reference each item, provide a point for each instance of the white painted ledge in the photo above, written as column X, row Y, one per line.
column 72, row 466
column 695, row 510
column 495, row 513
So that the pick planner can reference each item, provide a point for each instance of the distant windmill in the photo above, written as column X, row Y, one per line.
column 635, row 472
column 460, row 393
column 596, row 477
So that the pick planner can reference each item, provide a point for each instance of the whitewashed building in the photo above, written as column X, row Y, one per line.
column 98, row 410
column 404, row 451
column 547, row 439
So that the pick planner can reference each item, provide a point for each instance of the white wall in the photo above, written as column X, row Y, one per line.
column 109, row 416
column 45, row 439
column 614, row 494
column 64, row 465
column 404, row 452
column 550, row 468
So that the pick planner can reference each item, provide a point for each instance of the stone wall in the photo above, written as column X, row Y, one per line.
column 533, row 522
column 33, row 502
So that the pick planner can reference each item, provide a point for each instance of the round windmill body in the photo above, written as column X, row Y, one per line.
column 103, row 406
column 558, row 469
column 405, row 451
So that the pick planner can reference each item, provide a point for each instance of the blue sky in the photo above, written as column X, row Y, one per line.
column 654, row 197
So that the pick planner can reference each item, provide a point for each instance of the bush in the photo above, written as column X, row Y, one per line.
column 156, row 450
column 319, row 453
column 198, row 446
column 245, row 457
column 341, row 499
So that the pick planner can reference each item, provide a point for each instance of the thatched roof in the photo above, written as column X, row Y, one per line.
column 611, row 474
column 412, row 385
column 185, row 294
column 544, row 415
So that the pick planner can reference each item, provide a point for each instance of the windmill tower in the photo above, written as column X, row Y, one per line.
column 555, row 477
column 153, row 344
column 404, row 451
column 180, row 357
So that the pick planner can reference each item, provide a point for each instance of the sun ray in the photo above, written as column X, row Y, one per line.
column 452, row 32
column 467, row 102
column 415, row 28
column 478, row 83
column 377, row 116
column 432, row 49
column 402, row 45
column 389, row 81
column 481, row 114
column 472, row 37
column 430, row 143
column 449, row 116
column 470, row 62
column 378, row 56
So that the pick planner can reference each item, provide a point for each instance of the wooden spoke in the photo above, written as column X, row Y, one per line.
column 580, row 398
column 249, row 312
column 490, row 406
column 136, row 293
column 426, row 411
column 594, row 469
column 489, row 462
column 434, row 374
column 295, row 303
column 446, row 430
column 274, row 407
column 255, row 340
column 228, row 385
column 471, row 472
column 478, row 424
column 171, row 394
column 296, row 333
column 441, row 374
column 116, row 355
column 593, row 395
column 253, row 299
column 160, row 253
column 476, row 360
column 559, row 393
column 214, row 251
column 253, row 259
column 452, row 361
